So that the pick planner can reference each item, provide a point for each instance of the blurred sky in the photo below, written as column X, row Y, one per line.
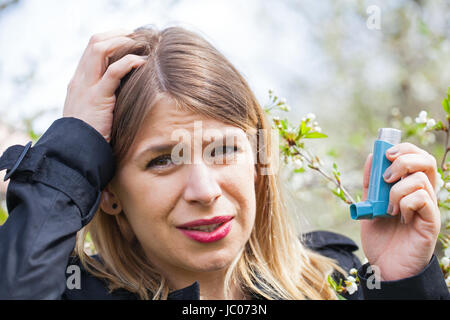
column 319, row 55
column 42, row 41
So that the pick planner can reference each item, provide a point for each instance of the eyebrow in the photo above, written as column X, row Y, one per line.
column 159, row 148
column 167, row 147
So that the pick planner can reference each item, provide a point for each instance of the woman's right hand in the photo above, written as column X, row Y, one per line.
column 90, row 93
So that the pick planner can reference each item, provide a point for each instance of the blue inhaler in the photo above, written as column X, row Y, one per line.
column 378, row 194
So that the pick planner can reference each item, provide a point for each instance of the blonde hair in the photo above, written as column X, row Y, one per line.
column 182, row 65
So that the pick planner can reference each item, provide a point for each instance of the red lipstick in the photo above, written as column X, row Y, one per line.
column 206, row 236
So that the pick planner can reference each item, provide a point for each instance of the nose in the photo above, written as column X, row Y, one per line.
column 202, row 187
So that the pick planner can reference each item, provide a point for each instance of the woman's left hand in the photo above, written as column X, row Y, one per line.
column 403, row 245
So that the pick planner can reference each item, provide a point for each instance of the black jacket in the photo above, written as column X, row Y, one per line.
column 55, row 190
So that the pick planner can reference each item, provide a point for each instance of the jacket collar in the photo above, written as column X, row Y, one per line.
column 191, row 292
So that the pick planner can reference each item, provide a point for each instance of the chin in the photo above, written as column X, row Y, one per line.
column 212, row 261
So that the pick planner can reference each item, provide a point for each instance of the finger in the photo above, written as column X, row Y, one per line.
column 366, row 176
column 402, row 148
column 408, row 185
column 98, row 37
column 96, row 63
column 409, row 163
column 419, row 202
column 116, row 71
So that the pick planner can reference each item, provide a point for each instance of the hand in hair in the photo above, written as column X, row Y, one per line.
column 90, row 93
column 403, row 245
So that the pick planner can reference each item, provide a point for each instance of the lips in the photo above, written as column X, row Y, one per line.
column 208, row 230
column 204, row 222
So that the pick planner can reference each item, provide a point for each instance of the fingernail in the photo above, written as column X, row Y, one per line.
column 390, row 208
column 402, row 220
column 392, row 151
column 387, row 174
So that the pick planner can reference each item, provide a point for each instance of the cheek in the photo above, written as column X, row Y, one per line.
column 147, row 202
column 239, row 183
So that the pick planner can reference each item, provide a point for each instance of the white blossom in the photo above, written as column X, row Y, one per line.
column 422, row 118
column 439, row 182
column 298, row 164
column 353, row 271
column 285, row 107
column 291, row 130
column 445, row 261
column 447, row 281
column 407, row 120
column 443, row 195
column 430, row 124
column 447, row 252
column 447, row 185
column 317, row 129
column 311, row 116
column 350, row 285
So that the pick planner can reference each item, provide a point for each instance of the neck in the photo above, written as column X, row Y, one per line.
column 211, row 284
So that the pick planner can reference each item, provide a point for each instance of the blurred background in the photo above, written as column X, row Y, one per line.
column 357, row 65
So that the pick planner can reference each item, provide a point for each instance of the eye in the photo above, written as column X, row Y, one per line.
column 224, row 149
column 161, row 161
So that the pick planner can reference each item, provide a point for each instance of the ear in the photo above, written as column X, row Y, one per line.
column 109, row 202
column 256, row 172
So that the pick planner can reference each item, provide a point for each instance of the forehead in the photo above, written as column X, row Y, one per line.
column 166, row 118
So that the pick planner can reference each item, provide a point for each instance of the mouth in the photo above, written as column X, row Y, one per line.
column 207, row 230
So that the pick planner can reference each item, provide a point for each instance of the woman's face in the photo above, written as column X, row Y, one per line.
column 158, row 196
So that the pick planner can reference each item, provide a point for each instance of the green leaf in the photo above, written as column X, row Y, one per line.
column 332, row 282
column 446, row 105
column 333, row 153
column 440, row 171
column 3, row 216
column 340, row 195
column 315, row 135
column 302, row 128
column 439, row 125
column 340, row 297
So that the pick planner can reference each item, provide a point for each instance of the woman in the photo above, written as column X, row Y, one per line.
column 186, row 208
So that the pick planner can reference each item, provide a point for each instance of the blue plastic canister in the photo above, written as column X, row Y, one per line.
column 378, row 195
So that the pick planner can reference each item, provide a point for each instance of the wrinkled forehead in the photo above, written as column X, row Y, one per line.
column 167, row 122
